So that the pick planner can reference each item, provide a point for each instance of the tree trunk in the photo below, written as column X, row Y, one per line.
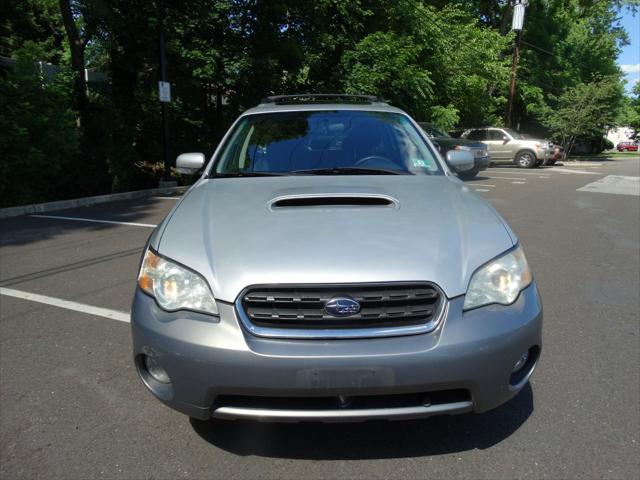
column 570, row 141
column 77, row 47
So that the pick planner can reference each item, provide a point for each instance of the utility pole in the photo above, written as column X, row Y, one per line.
column 516, row 25
column 164, row 92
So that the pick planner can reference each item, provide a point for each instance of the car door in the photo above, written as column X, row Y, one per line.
column 477, row 134
column 498, row 145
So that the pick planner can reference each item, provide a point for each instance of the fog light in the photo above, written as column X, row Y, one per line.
column 520, row 363
column 156, row 371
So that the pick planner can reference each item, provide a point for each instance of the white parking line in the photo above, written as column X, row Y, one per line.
column 507, row 178
column 573, row 170
column 482, row 190
column 614, row 184
column 520, row 173
column 78, row 219
column 69, row 305
column 519, row 183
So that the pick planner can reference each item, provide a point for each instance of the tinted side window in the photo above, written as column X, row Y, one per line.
column 496, row 135
column 477, row 135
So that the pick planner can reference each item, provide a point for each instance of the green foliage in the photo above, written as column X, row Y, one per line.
column 447, row 62
column 33, row 21
column 585, row 110
column 565, row 44
column 38, row 136
column 445, row 118
column 629, row 115
column 372, row 67
column 607, row 144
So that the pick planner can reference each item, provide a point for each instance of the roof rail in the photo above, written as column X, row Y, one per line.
column 305, row 98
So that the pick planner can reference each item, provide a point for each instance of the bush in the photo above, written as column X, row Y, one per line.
column 38, row 134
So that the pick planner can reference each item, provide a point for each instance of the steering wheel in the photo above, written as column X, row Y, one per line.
column 377, row 161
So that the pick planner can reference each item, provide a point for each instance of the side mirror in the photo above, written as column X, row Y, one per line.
column 189, row 162
column 505, row 139
column 460, row 160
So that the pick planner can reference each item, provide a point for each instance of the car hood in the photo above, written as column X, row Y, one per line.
column 435, row 229
column 534, row 140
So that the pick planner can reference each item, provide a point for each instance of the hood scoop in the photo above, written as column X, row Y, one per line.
column 333, row 200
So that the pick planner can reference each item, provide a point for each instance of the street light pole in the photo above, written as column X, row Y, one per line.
column 164, row 91
column 516, row 25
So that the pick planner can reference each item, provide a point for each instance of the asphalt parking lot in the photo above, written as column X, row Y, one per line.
column 71, row 405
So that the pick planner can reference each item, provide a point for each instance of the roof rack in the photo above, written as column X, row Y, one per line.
column 306, row 98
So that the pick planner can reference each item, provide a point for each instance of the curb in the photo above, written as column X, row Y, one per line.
column 85, row 201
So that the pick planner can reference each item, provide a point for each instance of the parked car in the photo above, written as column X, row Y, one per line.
column 557, row 154
column 445, row 142
column 627, row 147
column 506, row 145
column 329, row 266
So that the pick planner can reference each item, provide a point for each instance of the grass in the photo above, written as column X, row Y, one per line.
column 585, row 157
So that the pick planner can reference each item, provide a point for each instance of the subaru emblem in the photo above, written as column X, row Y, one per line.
column 341, row 307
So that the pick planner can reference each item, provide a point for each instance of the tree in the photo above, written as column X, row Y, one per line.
column 587, row 109
column 35, row 21
column 372, row 67
column 77, row 45
column 38, row 136
column 629, row 115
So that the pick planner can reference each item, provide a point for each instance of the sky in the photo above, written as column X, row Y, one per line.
column 629, row 59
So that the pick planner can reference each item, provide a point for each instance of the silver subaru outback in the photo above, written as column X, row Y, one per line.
column 328, row 266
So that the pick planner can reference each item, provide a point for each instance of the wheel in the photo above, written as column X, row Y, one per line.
column 468, row 174
column 526, row 159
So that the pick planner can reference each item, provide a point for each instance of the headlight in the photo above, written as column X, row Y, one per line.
column 499, row 281
column 175, row 287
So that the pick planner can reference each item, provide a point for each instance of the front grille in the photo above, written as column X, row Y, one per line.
column 303, row 307
column 478, row 152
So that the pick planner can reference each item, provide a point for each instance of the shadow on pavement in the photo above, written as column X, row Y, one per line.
column 369, row 440
column 26, row 230
column 477, row 178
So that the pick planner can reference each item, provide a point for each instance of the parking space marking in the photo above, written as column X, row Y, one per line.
column 614, row 184
column 78, row 219
column 507, row 178
column 520, row 173
column 573, row 170
column 482, row 190
column 69, row 305
column 519, row 183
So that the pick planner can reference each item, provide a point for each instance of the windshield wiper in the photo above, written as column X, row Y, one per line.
column 348, row 171
column 247, row 174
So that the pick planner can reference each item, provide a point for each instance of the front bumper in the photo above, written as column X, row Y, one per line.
column 482, row 163
column 211, row 358
column 543, row 154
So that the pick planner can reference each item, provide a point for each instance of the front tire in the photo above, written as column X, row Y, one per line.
column 526, row 159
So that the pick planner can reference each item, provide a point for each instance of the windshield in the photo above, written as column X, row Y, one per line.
column 515, row 135
column 325, row 143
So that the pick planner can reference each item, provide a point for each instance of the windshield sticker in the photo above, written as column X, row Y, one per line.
column 418, row 162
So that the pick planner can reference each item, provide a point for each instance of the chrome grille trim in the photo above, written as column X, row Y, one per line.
column 342, row 332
